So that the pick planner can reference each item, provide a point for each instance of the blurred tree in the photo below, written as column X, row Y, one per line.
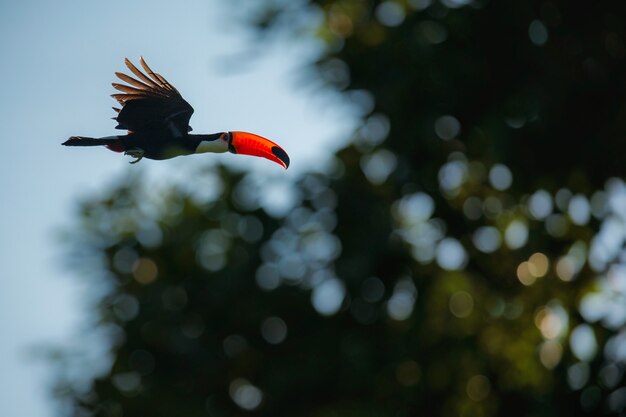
column 463, row 255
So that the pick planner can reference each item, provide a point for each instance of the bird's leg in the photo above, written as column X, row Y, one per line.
column 135, row 153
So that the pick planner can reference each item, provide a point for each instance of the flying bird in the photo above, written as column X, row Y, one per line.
column 157, row 120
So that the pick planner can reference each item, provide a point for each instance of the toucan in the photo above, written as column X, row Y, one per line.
column 157, row 120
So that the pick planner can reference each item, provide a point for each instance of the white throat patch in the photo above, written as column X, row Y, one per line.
column 213, row 146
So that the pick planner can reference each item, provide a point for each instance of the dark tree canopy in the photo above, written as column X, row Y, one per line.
column 463, row 255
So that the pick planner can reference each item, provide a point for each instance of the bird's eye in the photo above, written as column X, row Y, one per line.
column 225, row 137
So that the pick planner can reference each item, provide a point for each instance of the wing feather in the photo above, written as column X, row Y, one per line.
column 150, row 102
column 159, row 79
column 130, row 80
column 140, row 74
column 165, row 83
column 132, row 90
column 122, row 98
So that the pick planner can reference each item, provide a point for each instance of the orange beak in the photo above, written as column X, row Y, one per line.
column 250, row 144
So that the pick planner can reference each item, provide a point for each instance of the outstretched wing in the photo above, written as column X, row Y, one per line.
column 150, row 102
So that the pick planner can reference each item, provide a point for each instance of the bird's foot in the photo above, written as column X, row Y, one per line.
column 135, row 153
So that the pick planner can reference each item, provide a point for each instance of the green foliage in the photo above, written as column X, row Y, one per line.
column 442, row 268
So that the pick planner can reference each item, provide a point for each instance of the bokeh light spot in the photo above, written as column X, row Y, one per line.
column 556, row 225
column 516, row 234
column 565, row 268
column 244, row 394
column 292, row 268
column 335, row 70
column 245, row 194
column 149, row 235
column 487, row 239
column 540, row 204
column 538, row 33
column 538, row 264
column 451, row 254
column 523, row 274
column 550, row 326
column 552, row 320
column 268, row 277
column 616, row 401
column 390, row 13
column 599, row 204
column 492, row 207
column 461, row 304
column 478, row 388
column 145, row 271
column 579, row 209
column 592, row 307
column 126, row 382
column 550, row 353
column 610, row 375
column 320, row 247
column 562, row 198
column 274, row 330
column 250, row 229
column 234, row 345
column 124, row 259
column 400, row 304
column 375, row 129
column 500, row 177
column 590, row 398
column 451, row 176
column 362, row 101
column 126, row 307
column 279, row 197
column 583, row 342
column 513, row 309
column 578, row 375
column 447, row 127
column 212, row 247
column 378, row 166
column 415, row 208
column 328, row 296
column 515, row 122
column 473, row 208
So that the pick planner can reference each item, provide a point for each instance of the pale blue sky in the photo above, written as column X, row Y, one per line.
column 58, row 60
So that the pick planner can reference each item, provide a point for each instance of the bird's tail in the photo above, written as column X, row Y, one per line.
column 85, row 141
column 112, row 142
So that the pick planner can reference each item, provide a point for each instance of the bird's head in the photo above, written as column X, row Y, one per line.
column 245, row 143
